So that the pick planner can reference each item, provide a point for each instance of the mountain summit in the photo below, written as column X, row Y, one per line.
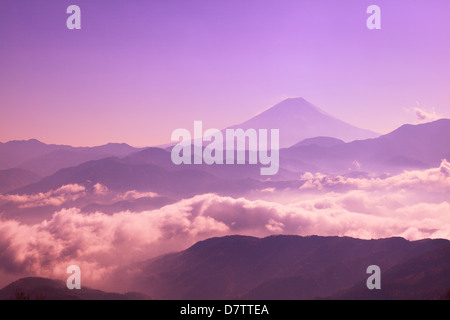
column 298, row 119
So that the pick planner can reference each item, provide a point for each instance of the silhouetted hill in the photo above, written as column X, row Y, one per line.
column 47, row 289
column 277, row 267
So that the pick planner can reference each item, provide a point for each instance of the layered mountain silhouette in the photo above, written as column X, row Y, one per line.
column 120, row 175
column 34, row 288
column 298, row 119
column 45, row 159
column 408, row 147
column 294, row 267
column 315, row 142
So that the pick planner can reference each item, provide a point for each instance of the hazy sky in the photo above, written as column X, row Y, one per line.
column 137, row 70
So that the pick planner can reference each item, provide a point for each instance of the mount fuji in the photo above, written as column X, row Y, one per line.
column 298, row 120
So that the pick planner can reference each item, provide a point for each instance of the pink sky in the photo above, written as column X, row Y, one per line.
column 140, row 69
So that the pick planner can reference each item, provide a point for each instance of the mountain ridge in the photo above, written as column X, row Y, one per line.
column 45, row 159
column 233, row 267
column 37, row 288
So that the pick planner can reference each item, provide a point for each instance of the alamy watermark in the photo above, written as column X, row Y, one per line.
column 74, row 280
column 74, row 20
column 374, row 281
column 233, row 147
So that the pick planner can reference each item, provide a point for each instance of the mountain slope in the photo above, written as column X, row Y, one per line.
column 48, row 289
column 408, row 147
column 277, row 267
column 298, row 119
column 62, row 158
column 423, row 277
column 15, row 178
column 162, row 158
column 119, row 175
column 14, row 153
column 45, row 159
column 319, row 141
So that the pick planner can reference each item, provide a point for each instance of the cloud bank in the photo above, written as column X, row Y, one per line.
column 56, row 197
column 413, row 205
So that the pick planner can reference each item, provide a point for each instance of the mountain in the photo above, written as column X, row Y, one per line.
column 408, row 147
column 423, row 277
column 15, row 178
column 162, row 158
column 14, row 153
column 62, row 158
column 119, row 175
column 278, row 267
column 48, row 289
column 45, row 159
column 298, row 119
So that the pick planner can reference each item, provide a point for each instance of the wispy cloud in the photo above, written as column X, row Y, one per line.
column 56, row 197
column 423, row 115
column 70, row 193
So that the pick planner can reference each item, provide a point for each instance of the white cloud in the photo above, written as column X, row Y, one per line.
column 434, row 180
column 133, row 194
column 100, row 189
column 70, row 193
column 56, row 197
column 423, row 115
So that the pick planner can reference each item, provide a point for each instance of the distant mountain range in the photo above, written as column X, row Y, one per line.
column 34, row 288
column 45, row 159
column 294, row 267
column 296, row 118
column 119, row 175
column 121, row 167
column 408, row 147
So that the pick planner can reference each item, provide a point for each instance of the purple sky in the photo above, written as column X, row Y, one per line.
column 140, row 69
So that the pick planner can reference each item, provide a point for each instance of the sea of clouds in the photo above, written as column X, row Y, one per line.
column 413, row 205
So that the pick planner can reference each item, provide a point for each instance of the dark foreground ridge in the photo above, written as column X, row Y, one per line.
column 34, row 288
column 294, row 267
column 273, row 268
